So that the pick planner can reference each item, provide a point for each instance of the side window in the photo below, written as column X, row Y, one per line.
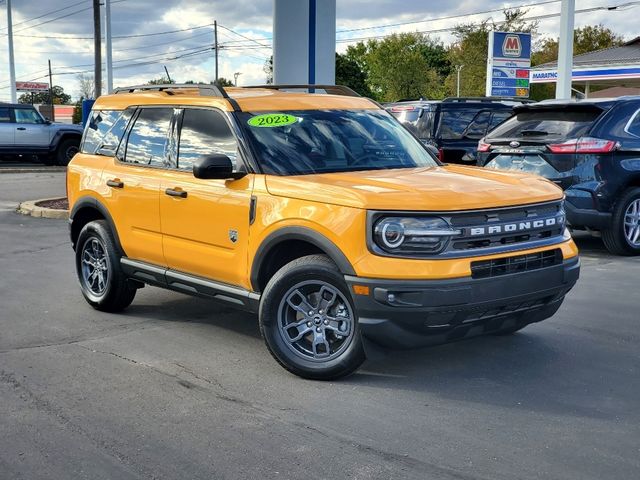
column 204, row 132
column 5, row 115
column 478, row 126
column 148, row 137
column 27, row 115
column 104, row 128
column 498, row 118
column 633, row 125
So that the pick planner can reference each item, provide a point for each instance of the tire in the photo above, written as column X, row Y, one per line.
column 108, row 290
column 623, row 238
column 320, row 346
column 66, row 150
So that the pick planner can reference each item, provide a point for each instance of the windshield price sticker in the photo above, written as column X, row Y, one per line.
column 272, row 120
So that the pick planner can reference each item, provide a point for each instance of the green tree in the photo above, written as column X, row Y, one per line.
column 159, row 81
column 349, row 73
column 405, row 65
column 471, row 46
column 585, row 39
column 224, row 82
column 77, row 112
column 59, row 97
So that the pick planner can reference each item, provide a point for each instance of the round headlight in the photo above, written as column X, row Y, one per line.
column 392, row 234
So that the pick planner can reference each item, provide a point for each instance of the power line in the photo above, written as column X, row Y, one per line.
column 52, row 20
column 48, row 13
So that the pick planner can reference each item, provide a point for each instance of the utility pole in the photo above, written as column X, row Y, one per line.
column 215, row 46
column 167, row 72
column 12, row 65
column 53, row 113
column 565, row 49
column 108, row 48
column 97, row 49
column 458, row 68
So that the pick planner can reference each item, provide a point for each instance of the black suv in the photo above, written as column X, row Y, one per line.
column 454, row 125
column 591, row 148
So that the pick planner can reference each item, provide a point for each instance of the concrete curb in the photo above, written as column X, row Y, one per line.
column 32, row 169
column 30, row 208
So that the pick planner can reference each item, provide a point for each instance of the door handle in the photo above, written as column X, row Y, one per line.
column 21, row 128
column 172, row 192
column 115, row 183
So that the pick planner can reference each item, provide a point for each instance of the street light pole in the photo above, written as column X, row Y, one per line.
column 97, row 49
column 215, row 46
column 235, row 78
column 12, row 65
column 458, row 68
column 565, row 49
column 108, row 48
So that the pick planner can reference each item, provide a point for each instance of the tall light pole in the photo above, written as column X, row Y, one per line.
column 12, row 65
column 215, row 46
column 458, row 68
column 235, row 78
column 565, row 49
column 107, row 40
column 97, row 49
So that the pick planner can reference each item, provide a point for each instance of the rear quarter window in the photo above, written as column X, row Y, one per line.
column 104, row 129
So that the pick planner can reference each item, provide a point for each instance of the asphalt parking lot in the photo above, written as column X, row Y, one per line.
column 179, row 387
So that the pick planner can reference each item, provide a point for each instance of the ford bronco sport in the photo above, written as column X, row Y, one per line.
column 318, row 211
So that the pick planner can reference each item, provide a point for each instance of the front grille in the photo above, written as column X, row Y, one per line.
column 517, row 264
column 501, row 228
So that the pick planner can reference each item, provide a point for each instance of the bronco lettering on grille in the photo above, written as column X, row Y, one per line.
column 513, row 227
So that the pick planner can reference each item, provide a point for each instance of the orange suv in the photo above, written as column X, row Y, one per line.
column 316, row 209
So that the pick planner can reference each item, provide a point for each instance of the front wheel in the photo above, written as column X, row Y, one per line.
column 623, row 237
column 308, row 320
column 66, row 150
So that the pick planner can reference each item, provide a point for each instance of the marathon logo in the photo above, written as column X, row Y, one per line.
column 544, row 75
column 515, row 227
column 511, row 47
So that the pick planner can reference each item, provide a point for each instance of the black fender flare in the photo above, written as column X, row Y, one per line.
column 94, row 204
column 298, row 233
column 57, row 137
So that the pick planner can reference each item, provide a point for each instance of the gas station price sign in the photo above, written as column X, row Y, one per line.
column 508, row 65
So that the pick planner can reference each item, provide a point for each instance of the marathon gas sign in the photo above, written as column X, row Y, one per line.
column 508, row 64
column 588, row 74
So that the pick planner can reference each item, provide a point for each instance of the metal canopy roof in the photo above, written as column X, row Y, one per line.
column 615, row 66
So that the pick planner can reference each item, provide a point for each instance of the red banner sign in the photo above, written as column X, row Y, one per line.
column 32, row 86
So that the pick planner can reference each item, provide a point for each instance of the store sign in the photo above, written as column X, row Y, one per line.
column 508, row 64
column 32, row 86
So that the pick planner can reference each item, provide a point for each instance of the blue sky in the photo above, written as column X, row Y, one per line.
column 185, row 53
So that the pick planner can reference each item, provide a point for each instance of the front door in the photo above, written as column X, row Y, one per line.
column 31, row 129
column 133, row 179
column 205, row 223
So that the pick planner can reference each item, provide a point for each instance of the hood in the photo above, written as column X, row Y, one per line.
column 446, row 188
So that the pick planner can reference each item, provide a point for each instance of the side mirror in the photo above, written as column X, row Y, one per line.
column 107, row 150
column 217, row 166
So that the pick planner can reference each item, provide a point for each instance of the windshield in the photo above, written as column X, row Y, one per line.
column 546, row 123
column 324, row 141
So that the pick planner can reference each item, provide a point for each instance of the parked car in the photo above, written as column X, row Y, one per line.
column 454, row 125
column 591, row 148
column 320, row 212
column 24, row 132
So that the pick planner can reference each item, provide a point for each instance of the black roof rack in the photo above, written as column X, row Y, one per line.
column 486, row 99
column 205, row 89
column 330, row 89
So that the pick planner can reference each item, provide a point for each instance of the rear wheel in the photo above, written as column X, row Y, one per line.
column 623, row 237
column 308, row 320
column 66, row 150
column 102, row 281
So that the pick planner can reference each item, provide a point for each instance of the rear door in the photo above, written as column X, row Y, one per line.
column 538, row 140
column 7, row 129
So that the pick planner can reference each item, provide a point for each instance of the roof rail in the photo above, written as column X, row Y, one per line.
column 486, row 99
column 330, row 89
column 208, row 90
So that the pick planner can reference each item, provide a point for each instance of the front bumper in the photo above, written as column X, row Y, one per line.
column 407, row 314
